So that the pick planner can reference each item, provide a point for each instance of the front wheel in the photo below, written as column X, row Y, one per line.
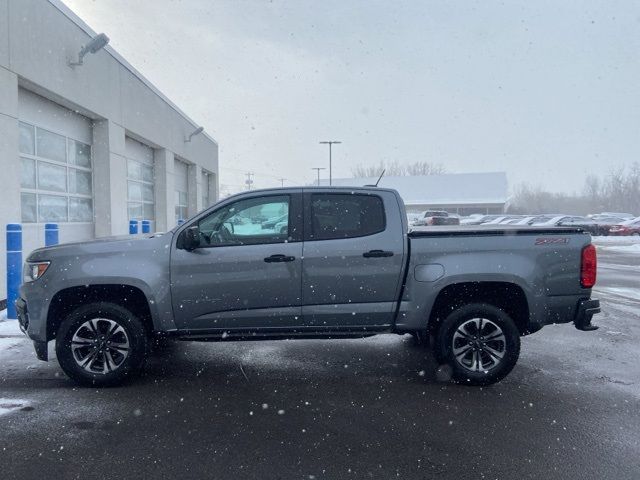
column 101, row 344
column 479, row 342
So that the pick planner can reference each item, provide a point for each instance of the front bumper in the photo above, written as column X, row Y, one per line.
column 584, row 313
column 41, row 348
column 23, row 315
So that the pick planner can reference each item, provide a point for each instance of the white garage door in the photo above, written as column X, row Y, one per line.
column 55, row 153
column 140, row 182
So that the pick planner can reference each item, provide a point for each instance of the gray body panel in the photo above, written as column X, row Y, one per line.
column 232, row 287
column 141, row 262
column 548, row 274
column 342, row 288
column 329, row 287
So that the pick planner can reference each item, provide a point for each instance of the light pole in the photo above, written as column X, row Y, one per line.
column 330, row 143
column 318, row 170
column 249, row 180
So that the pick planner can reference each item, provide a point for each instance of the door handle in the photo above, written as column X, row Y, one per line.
column 377, row 254
column 279, row 258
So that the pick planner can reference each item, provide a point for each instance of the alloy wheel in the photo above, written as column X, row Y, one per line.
column 479, row 345
column 100, row 346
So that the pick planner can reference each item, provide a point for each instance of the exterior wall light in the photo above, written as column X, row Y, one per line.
column 96, row 44
column 197, row 131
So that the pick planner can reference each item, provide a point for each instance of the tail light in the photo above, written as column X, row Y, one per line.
column 588, row 266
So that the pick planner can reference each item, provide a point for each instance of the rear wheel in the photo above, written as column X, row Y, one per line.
column 101, row 344
column 479, row 342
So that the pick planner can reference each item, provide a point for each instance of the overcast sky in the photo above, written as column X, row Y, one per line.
column 547, row 91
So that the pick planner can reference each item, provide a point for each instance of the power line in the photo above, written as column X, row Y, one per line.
column 261, row 174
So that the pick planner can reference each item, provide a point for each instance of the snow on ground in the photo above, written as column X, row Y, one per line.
column 626, row 293
column 635, row 248
column 9, row 327
column 8, row 405
column 10, row 336
column 626, row 244
column 617, row 240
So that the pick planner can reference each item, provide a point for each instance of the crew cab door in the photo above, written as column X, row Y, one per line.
column 353, row 258
column 246, row 273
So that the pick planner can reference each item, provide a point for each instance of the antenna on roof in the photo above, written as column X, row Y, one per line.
column 379, row 178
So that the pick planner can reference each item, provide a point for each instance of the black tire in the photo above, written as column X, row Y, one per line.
column 479, row 363
column 103, row 316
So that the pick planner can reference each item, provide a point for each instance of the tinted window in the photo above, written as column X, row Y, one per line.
column 345, row 215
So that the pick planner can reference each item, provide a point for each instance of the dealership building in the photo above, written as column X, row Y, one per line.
column 93, row 145
column 459, row 193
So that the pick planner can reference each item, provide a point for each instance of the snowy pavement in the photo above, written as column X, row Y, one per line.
column 368, row 408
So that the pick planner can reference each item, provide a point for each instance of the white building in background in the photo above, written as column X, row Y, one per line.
column 89, row 147
column 460, row 193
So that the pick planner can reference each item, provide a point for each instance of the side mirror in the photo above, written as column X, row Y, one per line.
column 191, row 238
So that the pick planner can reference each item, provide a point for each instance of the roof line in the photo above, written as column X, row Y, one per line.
column 67, row 12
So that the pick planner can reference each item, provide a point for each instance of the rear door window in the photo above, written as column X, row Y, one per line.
column 338, row 215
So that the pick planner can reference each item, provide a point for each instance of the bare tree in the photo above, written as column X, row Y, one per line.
column 618, row 191
column 425, row 168
column 397, row 169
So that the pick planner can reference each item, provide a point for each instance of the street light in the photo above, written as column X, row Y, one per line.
column 318, row 170
column 330, row 143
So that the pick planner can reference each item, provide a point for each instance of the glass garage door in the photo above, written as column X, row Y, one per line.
column 56, row 181
column 140, row 180
column 181, row 185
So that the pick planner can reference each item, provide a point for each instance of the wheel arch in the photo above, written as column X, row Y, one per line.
column 131, row 297
column 508, row 296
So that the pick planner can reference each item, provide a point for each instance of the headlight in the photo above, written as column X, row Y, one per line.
column 34, row 270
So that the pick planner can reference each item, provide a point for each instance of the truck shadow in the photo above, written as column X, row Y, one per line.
column 381, row 358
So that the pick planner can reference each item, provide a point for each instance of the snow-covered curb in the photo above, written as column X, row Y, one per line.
column 626, row 244
column 624, row 249
column 9, row 327
column 617, row 240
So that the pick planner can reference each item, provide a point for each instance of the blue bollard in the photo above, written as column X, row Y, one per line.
column 14, row 267
column 146, row 226
column 50, row 234
column 133, row 227
column 180, row 222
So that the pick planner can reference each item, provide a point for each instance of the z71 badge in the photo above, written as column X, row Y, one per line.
column 551, row 240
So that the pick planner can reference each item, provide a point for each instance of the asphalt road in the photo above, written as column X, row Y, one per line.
column 369, row 408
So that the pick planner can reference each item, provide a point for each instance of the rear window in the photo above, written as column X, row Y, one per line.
column 345, row 215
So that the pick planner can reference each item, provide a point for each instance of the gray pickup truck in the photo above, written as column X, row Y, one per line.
column 336, row 263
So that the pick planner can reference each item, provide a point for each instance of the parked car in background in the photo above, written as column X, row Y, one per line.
column 630, row 227
column 412, row 218
column 625, row 216
column 437, row 217
column 282, row 227
column 272, row 222
column 528, row 220
column 502, row 219
column 478, row 219
column 584, row 223
column 605, row 222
